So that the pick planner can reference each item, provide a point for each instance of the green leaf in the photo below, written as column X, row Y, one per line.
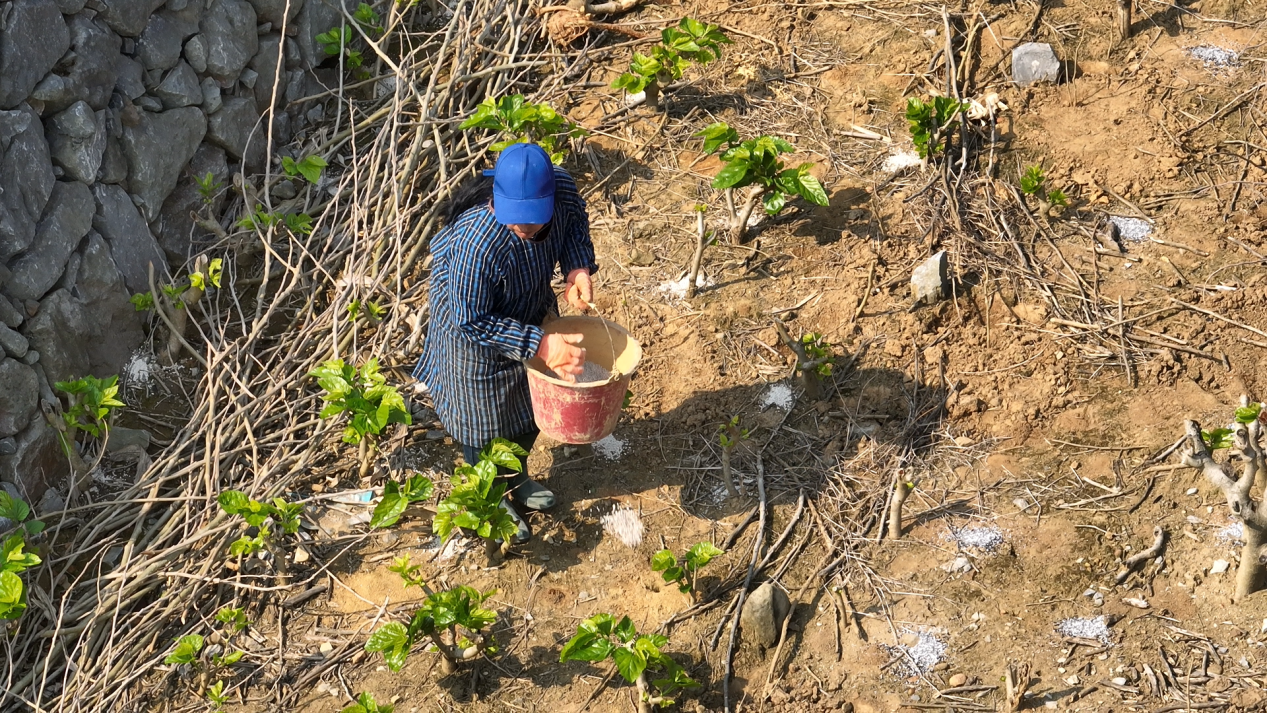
column 1248, row 414
column 388, row 510
column 701, row 554
column 186, row 651
column 734, row 174
column 234, row 502
column 1032, row 180
column 811, row 189
column 672, row 574
column 13, row 508
column 773, row 201
column 142, row 301
column 1218, row 438
column 228, row 659
column 625, row 631
column 631, row 664
column 311, row 168
column 393, row 641
column 1057, row 197
column 662, row 560
column 10, row 589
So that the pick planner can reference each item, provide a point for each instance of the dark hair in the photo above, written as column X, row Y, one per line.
column 474, row 191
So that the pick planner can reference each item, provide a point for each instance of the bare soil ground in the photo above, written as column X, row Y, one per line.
column 1042, row 432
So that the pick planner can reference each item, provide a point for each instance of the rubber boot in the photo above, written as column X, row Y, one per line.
column 525, row 533
column 529, row 493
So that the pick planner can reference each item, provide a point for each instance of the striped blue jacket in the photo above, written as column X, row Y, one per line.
column 490, row 290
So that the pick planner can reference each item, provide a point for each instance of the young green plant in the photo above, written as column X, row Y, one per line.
column 477, row 501
column 755, row 164
column 1243, row 438
column 364, row 396
column 90, row 407
column 814, row 357
column 261, row 517
column 518, row 120
column 453, row 620
column 365, row 703
column 729, row 436
column 636, row 655
column 1034, row 183
column 684, row 574
column 178, row 298
column 932, row 124
column 310, row 167
column 703, row 238
column 690, row 42
column 13, row 560
column 399, row 496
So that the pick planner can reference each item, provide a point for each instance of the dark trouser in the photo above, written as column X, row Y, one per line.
column 526, row 441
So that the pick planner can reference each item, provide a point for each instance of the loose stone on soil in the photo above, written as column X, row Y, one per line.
column 1219, row 566
column 1132, row 230
column 763, row 614
column 929, row 280
column 1034, row 62
column 1085, row 628
column 624, row 524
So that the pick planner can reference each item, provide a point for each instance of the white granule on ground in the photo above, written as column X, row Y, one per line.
column 1131, row 229
column 592, row 372
column 779, row 396
column 677, row 288
column 1085, row 628
column 1233, row 533
column 900, row 160
column 918, row 658
column 624, row 524
column 982, row 538
column 139, row 371
column 610, row 448
column 1215, row 57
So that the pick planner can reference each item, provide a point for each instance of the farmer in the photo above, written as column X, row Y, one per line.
column 490, row 292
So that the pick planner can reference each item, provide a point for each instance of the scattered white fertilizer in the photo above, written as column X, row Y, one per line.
column 1132, row 230
column 920, row 651
column 1085, row 628
column 677, row 288
column 610, row 448
column 624, row 524
column 900, row 160
column 140, row 370
column 985, row 538
column 778, row 395
column 1215, row 57
column 1233, row 533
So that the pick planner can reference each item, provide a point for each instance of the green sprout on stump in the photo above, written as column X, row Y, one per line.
column 521, row 121
column 755, row 164
column 814, row 355
column 729, row 436
column 1033, row 183
column 399, row 496
column 684, row 574
column 13, row 561
column 932, row 123
column 691, row 41
column 452, row 619
column 600, row 637
column 370, row 404
column 475, row 502
column 261, row 518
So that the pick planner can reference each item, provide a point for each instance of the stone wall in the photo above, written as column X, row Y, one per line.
column 108, row 108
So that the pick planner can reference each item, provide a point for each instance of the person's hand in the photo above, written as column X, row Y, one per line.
column 580, row 292
column 560, row 356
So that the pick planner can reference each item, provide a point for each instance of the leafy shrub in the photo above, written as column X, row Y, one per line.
column 258, row 515
column 684, row 574
column 691, row 41
column 475, row 502
column 452, row 611
column 930, row 123
column 398, row 496
column 363, row 394
column 1033, row 183
column 524, row 122
column 600, row 637
column 13, row 561
column 365, row 703
column 310, row 167
column 92, row 401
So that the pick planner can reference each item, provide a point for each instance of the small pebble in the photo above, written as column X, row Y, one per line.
column 1192, row 491
column 327, row 647
column 1120, row 681
column 958, row 680
column 1072, row 680
column 1138, row 603
column 1219, row 566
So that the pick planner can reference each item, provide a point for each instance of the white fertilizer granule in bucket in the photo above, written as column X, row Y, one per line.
column 624, row 524
column 780, row 396
column 1131, row 230
column 1085, row 628
column 592, row 372
column 919, row 652
column 610, row 448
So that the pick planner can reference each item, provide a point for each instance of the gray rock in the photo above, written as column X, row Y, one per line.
column 157, row 148
column 316, row 17
column 32, row 357
column 131, row 244
column 248, row 78
column 131, row 83
column 264, row 64
column 19, row 395
column 128, row 17
column 13, row 344
column 763, row 614
column 228, row 32
column 51, row 502
column 36, row 463
column 71, row 7
column 159, row 45
column 26, row 178
column 196, row 53
column 180, row 88
column 930, row 279
column 1034, row 62
column 92, row 330
column 54, row 91
column 211, row 101
column 236, row 129
column 114, row 165
column 121, row 438
column 77, row 141
column 33, row 36
column 10, row 316
column 272, row 11
column 285, row 190
column 150, row 104
column 71, row 275
column 66, row 221
column 175, row 230
column 94, row 70
column 177, row 5
column 8, row 446
column 185, row 15
column 296, row 85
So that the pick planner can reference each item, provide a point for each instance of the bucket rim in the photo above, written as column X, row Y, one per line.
column 534, row 372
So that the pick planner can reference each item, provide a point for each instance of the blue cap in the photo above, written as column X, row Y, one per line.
column 523, row 186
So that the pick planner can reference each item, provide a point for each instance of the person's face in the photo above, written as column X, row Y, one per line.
column 525, row 230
